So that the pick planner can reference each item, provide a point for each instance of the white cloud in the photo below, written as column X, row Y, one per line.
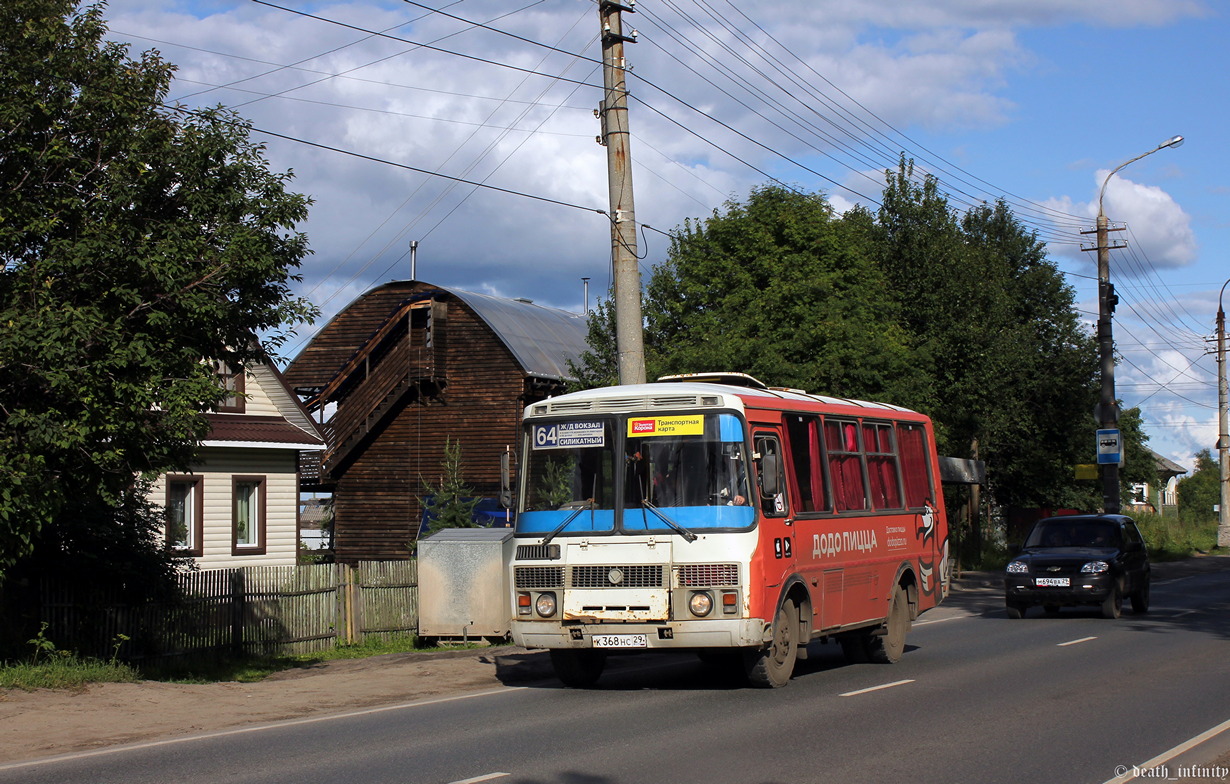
column 1156, row 221
column 936, row 65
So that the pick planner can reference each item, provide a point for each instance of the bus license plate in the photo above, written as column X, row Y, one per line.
column 1052, row 582
column 620, row 641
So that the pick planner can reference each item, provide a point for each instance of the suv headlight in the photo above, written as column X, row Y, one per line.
column 1018, row 567
column 1095, row 567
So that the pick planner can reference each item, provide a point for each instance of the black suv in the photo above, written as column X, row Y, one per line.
column 1079, row 559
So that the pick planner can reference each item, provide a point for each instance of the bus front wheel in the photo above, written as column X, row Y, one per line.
column 771, row 666
column 578, row 669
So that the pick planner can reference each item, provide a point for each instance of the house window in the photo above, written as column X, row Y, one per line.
column 185, row 508
column 232, row 380
column 1140, row 494
column 248, row 515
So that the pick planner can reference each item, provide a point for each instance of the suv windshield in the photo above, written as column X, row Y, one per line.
column 635, row 474
column 1077, row 533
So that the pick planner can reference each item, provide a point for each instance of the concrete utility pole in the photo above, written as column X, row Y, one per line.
column 1108, row 405
column 1223, row 433
column 613, row 112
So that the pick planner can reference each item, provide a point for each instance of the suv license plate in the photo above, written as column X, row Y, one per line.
column 620, row 641
column 1052, row 582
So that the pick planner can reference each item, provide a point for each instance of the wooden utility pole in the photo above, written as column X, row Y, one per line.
column 613, row 112
column 1223, row 431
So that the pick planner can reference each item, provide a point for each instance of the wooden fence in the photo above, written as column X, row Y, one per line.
column 260, row 610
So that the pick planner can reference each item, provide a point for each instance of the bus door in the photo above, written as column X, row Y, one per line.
column 776, row 535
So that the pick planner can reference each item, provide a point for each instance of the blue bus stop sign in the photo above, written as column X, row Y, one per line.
column 1110, row 447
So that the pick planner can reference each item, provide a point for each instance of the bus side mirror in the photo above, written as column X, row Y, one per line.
column 506, row 497
column 769, row 475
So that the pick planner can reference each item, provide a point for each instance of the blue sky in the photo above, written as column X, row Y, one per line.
column 1032, row 100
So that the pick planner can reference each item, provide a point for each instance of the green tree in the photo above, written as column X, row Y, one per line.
column 782, row 289
column 598, row 366
column 1012, row 368
column 1199, row 492
column 450, row 503
column 137, row 242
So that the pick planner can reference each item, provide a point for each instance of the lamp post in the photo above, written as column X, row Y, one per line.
column 1108, row 407
column 1223, row 434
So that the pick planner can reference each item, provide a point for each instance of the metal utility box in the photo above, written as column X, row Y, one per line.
column 463, row 584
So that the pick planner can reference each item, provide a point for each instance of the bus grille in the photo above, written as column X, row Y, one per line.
column 625, row 576
column 538, row 552
column 706, row 575
column 533, row 577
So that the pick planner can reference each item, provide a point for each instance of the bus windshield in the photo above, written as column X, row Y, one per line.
column 636, row 474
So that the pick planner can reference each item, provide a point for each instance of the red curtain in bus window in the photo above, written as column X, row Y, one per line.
column 845, row 466
column 818, row 490
column 801, row 434
column 912, row 440
column 881, row 466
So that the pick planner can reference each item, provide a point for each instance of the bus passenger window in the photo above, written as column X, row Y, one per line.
column 914, row 468
column 803, row 438
column 845, row 465
column 883, row 478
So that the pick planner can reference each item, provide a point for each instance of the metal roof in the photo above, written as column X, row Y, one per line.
column 543, row 340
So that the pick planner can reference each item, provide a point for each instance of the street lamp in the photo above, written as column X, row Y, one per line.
column 1223, row 433
column 1108, row 408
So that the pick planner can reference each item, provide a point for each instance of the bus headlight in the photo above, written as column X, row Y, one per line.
column 700, row 603
column 545, row 605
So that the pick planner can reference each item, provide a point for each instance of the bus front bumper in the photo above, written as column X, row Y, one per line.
column 716, row 633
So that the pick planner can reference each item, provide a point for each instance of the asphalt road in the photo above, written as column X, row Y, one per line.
column 976, row 698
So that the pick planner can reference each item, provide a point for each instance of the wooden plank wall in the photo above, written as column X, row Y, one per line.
column 377, row 499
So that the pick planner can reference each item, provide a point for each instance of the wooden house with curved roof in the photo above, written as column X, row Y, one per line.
column 401, row 369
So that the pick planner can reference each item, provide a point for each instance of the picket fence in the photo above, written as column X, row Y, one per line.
column 221, row 613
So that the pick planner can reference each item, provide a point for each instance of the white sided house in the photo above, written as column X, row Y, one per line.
column 238, row 505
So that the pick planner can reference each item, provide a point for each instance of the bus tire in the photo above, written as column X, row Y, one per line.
column 770, row 666
column 578, row 668
column 887, row 648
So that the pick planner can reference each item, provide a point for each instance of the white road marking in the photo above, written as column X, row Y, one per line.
column 1075, row 642
column 876, row 688
column 941, row 620
column 258, row 728
column 1148, row 769
column 477, row 779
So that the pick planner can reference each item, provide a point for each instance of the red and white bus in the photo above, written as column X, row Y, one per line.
column 713, row 514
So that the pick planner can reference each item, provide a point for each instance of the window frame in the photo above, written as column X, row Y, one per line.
column 260, row 506
column 195, row 527
column 234, row 384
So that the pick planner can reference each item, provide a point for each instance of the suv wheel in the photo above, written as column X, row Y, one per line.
column 1140, row 599
column 1113, row 604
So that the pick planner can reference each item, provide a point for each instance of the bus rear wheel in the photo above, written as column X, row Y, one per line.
column 888, row 647
column 771, row 666
column 578, row 668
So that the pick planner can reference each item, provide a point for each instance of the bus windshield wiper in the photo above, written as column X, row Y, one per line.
column 586, row 504
column 685, row 533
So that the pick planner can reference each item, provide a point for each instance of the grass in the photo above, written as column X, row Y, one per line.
column 64, row 672
column 51, row 668
column 1171, row 539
